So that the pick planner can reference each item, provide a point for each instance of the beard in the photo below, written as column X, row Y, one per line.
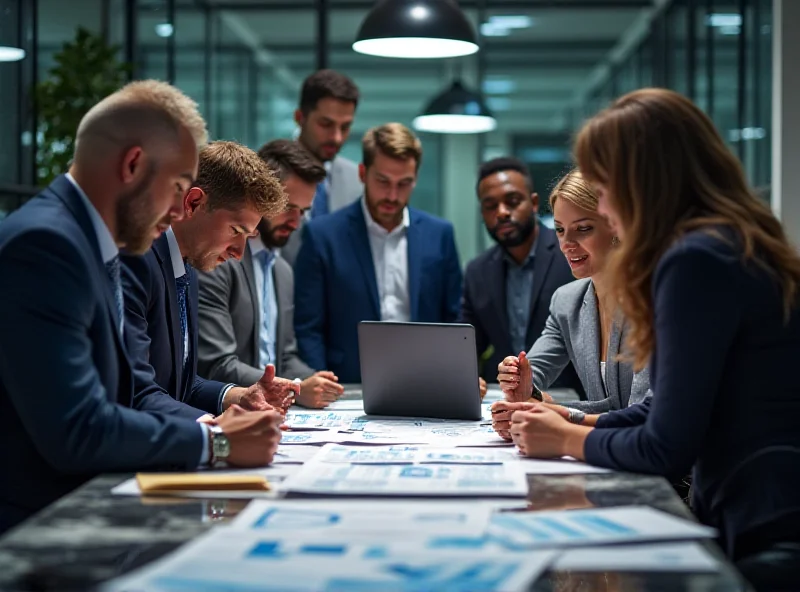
column 136, row 217
column 269, row 237
column 522, row 232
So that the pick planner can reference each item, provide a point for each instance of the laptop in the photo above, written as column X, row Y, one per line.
column 419, row 370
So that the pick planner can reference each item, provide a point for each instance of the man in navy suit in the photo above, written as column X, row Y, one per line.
column 376, row 259
column 507, row 289
column 233, row 190
column 66, row 384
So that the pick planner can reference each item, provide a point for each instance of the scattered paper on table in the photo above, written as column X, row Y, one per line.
column 681, row 557
column 382, row 519
column 629, row 524
column 300, row 420
column 409, row 454
column 347, row 405
column 295, row 454
column 227, row 559
column 498, row 480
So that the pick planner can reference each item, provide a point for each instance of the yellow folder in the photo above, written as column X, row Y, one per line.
column 169, row 482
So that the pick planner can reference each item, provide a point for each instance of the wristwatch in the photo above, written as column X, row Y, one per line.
column 220, row 445
column 536, row 393
column 576, row 416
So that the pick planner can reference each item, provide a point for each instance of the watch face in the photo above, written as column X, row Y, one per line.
column 222, row 447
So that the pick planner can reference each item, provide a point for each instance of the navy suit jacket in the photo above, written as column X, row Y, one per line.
column 66, row 384
column 154, row 338
column 483, row 304
column 335, row 285
column 725, row 397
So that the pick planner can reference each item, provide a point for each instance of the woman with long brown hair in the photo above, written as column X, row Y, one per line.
column 709, row 284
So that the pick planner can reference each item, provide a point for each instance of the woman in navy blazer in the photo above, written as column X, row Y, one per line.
column 709, row 283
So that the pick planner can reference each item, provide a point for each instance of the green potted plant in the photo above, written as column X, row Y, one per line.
column 86, row 70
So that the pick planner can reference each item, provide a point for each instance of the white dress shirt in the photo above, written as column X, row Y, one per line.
column 267, row 300
column 390, row 258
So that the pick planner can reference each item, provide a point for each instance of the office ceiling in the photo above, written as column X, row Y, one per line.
column 531, row 73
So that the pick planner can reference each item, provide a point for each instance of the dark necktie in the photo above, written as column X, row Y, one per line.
column 182, row 284
column 113, row 269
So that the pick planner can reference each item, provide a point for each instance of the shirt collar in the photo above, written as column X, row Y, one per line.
column 531, row 254
column 108, row 247
column 178, row 268
column 376, row 228
column 257, row 245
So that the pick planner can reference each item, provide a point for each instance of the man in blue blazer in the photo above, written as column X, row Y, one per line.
column 66, row 384
column 376, row 259
column 233, row 190
column 507, row 289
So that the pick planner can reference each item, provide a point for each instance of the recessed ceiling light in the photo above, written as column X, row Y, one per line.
column 164, row 29
column 492, row 30
column 499, row 86
column 724, row 20
column 512, row 21
column 11, row 54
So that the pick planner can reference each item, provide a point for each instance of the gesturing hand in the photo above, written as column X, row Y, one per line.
column 515, row 378
column 268, row 393
column 501, row 416
column 541, row 432
column 320, row 390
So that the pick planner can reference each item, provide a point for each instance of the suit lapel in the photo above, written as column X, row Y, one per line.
column 68, row 195
column 161, row 250
column 543, row 259
column 590, row 325
column 363, row 253
column 250, row 277
column 619, row 376
column 414, row 241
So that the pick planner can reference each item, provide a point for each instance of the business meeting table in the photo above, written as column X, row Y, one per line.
column 91, row 536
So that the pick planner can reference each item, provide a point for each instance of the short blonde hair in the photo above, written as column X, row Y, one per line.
column 234, row 177
column 140, row 111
column 573, row 188
column 392, row 139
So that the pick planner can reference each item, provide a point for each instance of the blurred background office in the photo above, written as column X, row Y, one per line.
column 544, row 65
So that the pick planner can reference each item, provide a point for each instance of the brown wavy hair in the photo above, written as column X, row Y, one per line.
column 667, row 172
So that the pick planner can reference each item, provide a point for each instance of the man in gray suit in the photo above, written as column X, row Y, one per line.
column 328, row 102
column 246, row 307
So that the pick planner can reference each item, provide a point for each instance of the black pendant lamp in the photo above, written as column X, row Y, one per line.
column 457, row 110
column 416, row 29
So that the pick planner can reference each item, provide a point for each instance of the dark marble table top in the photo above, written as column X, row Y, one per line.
column 90, row 536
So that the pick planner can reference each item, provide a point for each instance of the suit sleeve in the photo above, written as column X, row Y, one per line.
column 50, row 376
column 310, row 308
column 217, row 343
column 453, row 279
column 696, row 321
column 137, row 286
column 291, row 363
column 549, row 355
column 467, row 313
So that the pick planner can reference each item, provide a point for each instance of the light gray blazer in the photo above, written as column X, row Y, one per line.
column 229, row 319
column 572, row 334
column 346, row 187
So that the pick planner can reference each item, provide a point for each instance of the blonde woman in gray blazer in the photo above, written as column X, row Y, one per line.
column 584, row 326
